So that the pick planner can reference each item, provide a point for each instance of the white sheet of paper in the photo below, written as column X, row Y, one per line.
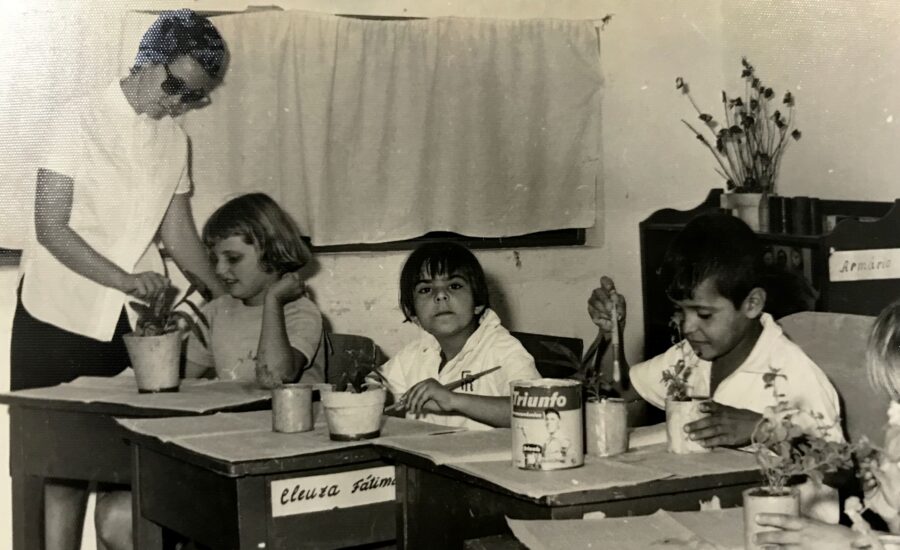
column 455, row 448
column 720, row 530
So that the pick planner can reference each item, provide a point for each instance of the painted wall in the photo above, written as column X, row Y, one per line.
column 845, row 103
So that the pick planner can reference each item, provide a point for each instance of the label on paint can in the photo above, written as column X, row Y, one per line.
column 546, row 424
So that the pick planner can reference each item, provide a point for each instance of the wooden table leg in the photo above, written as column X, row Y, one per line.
column 27, row 511
column 147, row 534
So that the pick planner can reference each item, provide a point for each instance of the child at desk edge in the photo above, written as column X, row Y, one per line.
column 444, row 291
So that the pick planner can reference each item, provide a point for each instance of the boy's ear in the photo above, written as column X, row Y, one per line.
column 754, row 304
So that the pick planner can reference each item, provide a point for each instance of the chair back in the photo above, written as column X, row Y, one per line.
column 837, row 343
column 552, row 354
column 348, row 354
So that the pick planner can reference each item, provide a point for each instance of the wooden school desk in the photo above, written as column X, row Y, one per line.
column 68, row 432
column 229, row 481
column 461, row 486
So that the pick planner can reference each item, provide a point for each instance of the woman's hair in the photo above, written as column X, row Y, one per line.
column 883, row 351
column 262, row 223
column 441, row 258
column 183, row 32
column 718, row 247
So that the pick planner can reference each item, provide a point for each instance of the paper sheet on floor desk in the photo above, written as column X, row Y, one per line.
column 597, row 473
column 194, row 396
column 719, row 461
column 720, row 530
column 242, row 437
column 454, row 448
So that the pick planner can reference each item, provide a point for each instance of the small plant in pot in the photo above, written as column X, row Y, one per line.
column 354, row 406
column 681, row 407
column 749, row 144
column 155, row 345
column 605, row 409
column 790, row 445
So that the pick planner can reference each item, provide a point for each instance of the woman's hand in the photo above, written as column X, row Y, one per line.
column 145, row 285
column 600, row 306
column 288, row 288
column 803, row 533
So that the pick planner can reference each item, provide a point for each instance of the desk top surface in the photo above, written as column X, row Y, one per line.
column 244, row 443
column 118, row 395
column 485, row 459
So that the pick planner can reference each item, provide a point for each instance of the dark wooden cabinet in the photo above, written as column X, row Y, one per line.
column 849, row 225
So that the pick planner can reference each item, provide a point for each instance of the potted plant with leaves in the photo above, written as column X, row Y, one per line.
column 354, row 405
column 791, row 445
column 155, row 344
column 748, row 144
column 681, row 407
column 605, row 409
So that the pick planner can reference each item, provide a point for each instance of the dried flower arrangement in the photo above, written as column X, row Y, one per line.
column 749, row 145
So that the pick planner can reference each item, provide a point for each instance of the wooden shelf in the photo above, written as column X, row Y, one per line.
column 860, row 225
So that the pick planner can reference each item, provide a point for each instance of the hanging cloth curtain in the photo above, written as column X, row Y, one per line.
column 372, row 131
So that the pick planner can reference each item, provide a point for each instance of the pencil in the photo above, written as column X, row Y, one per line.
column 400, row 403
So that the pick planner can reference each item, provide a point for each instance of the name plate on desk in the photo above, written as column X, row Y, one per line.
column 302, row 495
column 864, row 265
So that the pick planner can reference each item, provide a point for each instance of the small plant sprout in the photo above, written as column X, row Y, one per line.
column 160, row 315
column 676, row 377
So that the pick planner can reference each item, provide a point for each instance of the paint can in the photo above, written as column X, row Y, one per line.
column 547, row 424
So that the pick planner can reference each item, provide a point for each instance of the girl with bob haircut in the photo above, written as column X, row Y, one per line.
column 265, row 328
column 443, row 290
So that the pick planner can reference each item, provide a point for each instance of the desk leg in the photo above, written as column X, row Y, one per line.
column 27, row 511
column 147, row 534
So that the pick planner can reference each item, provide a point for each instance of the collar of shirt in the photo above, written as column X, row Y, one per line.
column 488, row 322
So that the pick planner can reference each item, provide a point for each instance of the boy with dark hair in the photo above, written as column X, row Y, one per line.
column 713, row 272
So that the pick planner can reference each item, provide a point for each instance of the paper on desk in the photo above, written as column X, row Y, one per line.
column 241, row 437
column 597, row 473
column 719, row 461
column 454, row 448
column 703, row 530
column 194, row 396
column 644, row 436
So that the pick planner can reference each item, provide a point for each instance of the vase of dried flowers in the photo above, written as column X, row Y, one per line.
column 748, row 146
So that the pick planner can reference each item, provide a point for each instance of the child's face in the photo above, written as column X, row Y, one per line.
column 237, row 265
column 445, row 306
column 712, row 325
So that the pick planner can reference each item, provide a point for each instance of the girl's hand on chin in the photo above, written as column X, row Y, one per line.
column 288, row 288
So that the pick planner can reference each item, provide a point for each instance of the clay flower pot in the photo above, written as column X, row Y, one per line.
column 606, row 427
column 759, row 501
column 156, row 360
column 354, row 416
column 679, row 413
column 292, row 409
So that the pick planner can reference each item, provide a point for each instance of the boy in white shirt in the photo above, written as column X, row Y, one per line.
column 712, row 273
column 444, row 291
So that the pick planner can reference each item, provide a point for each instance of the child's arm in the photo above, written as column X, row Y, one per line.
column 430, row 396
column 276, row 358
